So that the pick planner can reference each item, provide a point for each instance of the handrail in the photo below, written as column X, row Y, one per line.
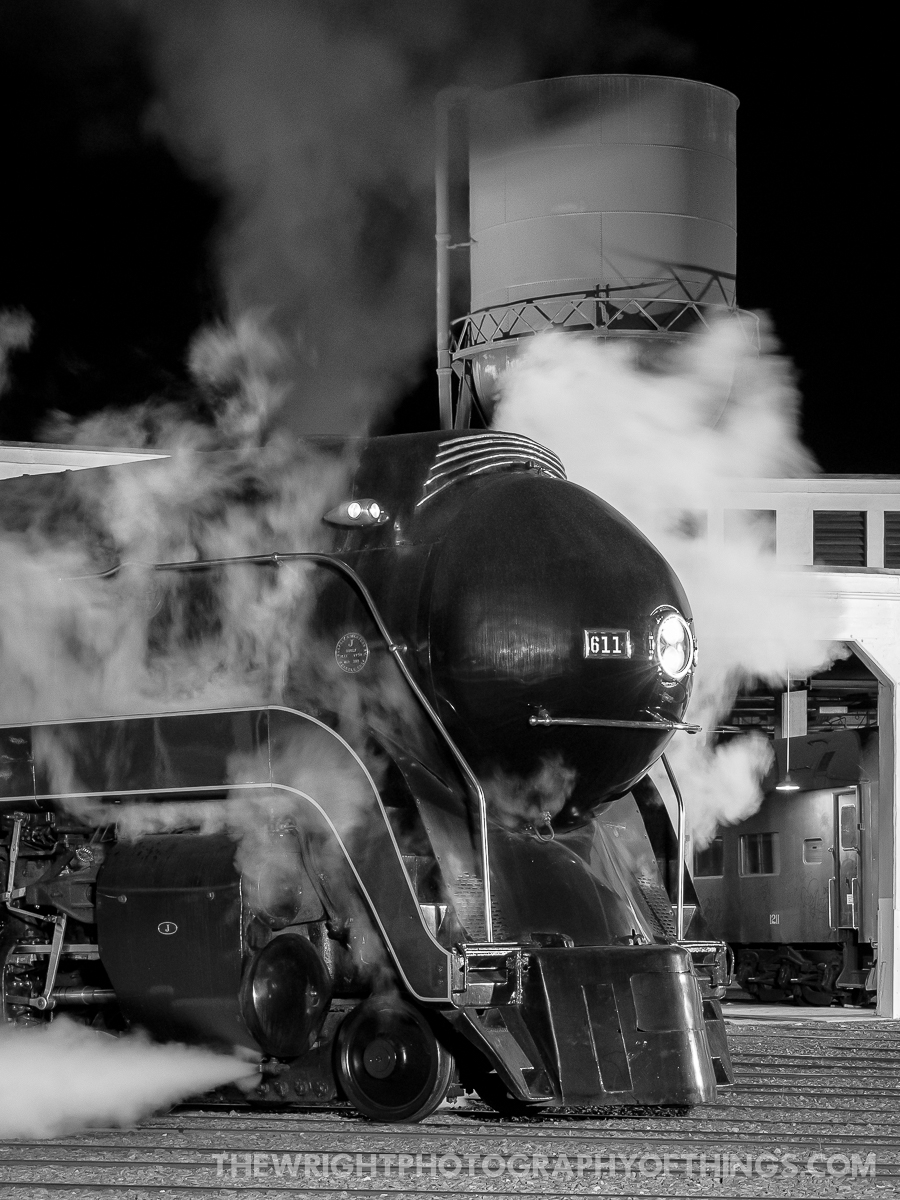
column 682, row 839
column 396, row 650
column 542, row 717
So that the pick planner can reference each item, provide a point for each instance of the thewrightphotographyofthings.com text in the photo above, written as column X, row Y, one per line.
column 560, row 1168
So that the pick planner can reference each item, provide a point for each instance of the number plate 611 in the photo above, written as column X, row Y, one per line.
column 607, row 643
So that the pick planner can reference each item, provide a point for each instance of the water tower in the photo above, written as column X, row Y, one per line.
column 598, row 204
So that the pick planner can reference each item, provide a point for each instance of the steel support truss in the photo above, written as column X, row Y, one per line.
column 595, row 312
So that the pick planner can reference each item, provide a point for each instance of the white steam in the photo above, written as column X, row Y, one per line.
column 661, row 443
column 15, row 334
column 60, row 1078
column 535, row 799
column 321, row 141
column 75, row 643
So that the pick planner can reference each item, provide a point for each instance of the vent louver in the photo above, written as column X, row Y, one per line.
column 892, row 539
column 660, row 906
column 480, row 453
column 839, row 538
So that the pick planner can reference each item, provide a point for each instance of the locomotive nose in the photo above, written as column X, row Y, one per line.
column 546, row 604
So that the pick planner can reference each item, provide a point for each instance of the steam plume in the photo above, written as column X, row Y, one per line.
column 63, row 1077
column 315, row 121
column 73, row 643
column 77, row 642
column 15, row 334
column 662, row 445
column 320, row 138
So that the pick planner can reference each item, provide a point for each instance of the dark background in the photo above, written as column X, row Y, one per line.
column 109, row 244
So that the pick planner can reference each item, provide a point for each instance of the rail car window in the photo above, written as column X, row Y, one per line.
column 839, row 538
column 849, row 832
column 710, row 862
column 813, row 851
column 759, row 854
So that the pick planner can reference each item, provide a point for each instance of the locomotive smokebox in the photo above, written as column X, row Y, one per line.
column 510, row 644
column 602, row 204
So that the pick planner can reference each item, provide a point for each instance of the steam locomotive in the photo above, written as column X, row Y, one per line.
column 433, row 862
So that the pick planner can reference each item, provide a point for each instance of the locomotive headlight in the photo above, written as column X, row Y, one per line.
column 673, row 644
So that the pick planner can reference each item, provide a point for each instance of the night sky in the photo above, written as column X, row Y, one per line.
column 110, row 239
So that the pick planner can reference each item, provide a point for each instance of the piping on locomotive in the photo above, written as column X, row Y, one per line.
column 460, row 892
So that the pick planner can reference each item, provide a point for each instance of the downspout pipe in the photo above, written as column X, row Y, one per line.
column 444, row 104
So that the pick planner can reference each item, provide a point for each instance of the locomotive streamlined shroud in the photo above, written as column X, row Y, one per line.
column 378, row 811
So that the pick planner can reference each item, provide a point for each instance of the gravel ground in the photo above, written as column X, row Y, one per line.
column 814, row 1113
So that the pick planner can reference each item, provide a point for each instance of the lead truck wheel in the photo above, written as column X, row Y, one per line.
column 389, row 1063
column 493, row 1091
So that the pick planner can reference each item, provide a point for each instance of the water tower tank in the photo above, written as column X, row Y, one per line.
column 602, row 203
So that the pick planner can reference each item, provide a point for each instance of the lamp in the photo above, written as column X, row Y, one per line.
column 787, row 784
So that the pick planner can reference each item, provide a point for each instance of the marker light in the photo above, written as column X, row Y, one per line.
column 673, row 645
column 357, row 512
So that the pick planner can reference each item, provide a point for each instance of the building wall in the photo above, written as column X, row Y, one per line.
column 795, row 500
column 864, row 607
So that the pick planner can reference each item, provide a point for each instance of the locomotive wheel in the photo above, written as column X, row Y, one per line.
column 494, row 1092
column 389, row 1063
column 817, row 997
column 746, row 966
column 771, row 995
column 783, row 975
column 477, row 1075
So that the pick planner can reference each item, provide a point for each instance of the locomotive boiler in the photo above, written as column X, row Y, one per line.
column 427, row 863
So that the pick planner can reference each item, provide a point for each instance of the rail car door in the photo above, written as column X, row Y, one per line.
column 844, row 888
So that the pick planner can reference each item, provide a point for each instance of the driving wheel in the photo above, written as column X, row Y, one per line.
column 389, row 1063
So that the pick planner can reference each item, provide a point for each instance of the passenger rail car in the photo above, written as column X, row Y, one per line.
column 793, row 889
column 422, row 866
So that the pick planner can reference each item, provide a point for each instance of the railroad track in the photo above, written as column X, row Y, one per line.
column 815, row 1112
